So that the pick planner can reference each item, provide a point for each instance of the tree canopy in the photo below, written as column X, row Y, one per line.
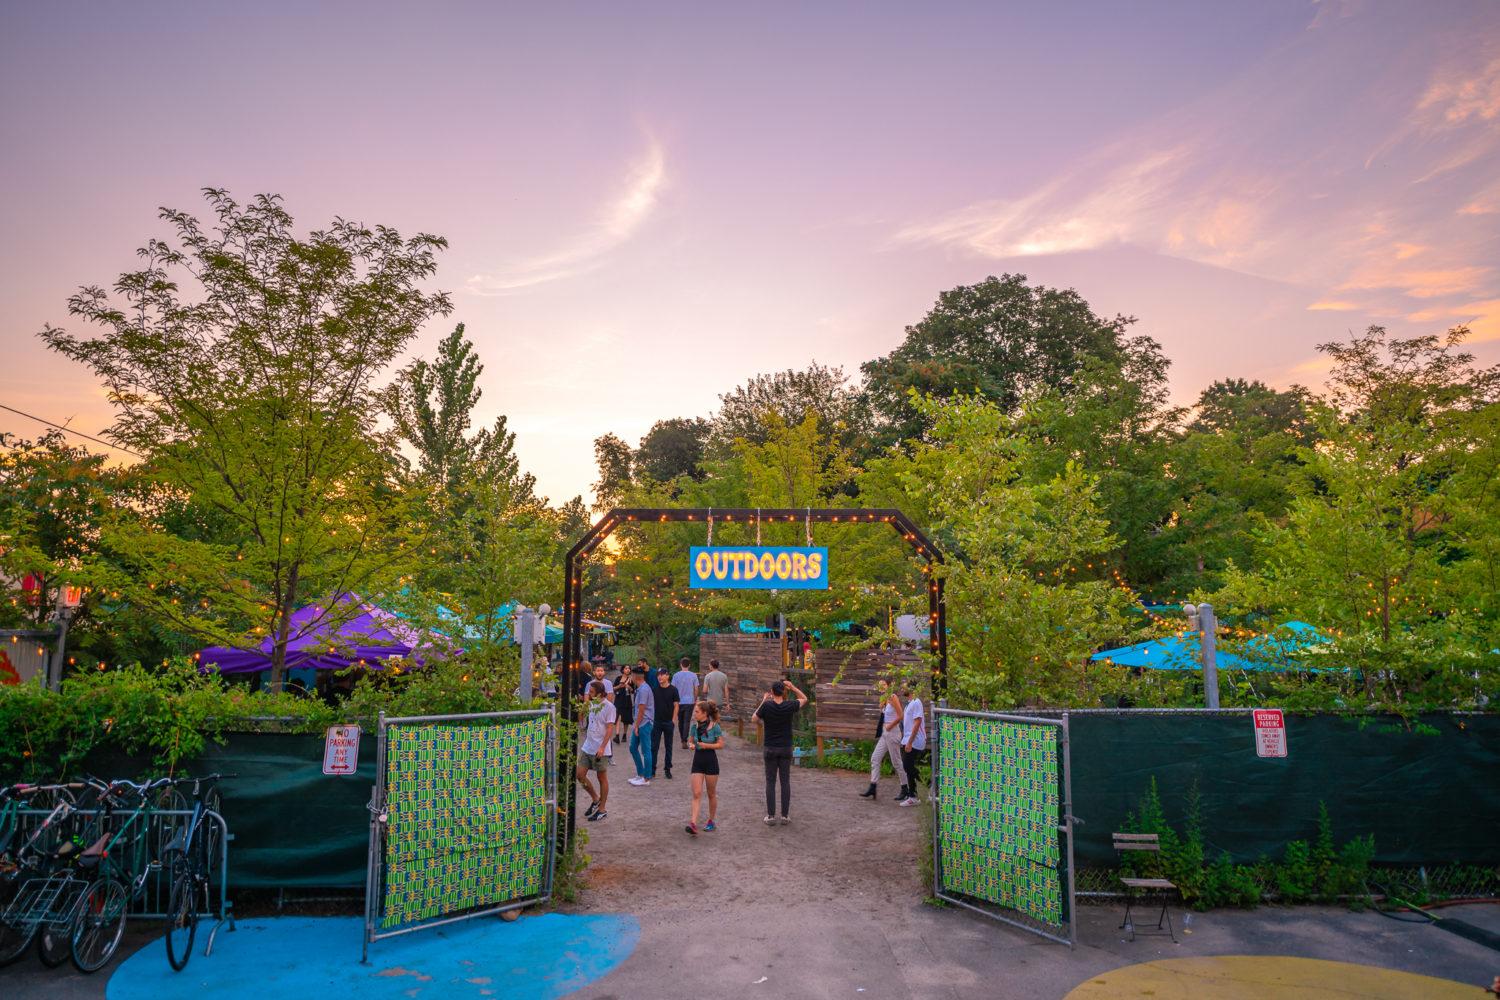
column 284, row 455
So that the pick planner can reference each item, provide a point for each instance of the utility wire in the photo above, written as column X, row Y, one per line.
column 69, row 430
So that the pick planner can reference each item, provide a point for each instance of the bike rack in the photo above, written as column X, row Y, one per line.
column 149, row 890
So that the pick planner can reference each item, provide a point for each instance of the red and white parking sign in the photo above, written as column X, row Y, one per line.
column 1270, row 733
column 341, row 750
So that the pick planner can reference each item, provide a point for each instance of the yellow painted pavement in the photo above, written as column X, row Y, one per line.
column 1261, row 977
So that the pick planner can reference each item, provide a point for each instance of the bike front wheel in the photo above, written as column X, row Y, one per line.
column 53, row 946
column 100, row 925
column 14, row 941
column 182, row 918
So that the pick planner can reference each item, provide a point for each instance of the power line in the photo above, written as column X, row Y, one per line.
column 69, row 430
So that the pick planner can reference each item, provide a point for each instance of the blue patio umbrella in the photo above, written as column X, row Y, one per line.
column 1272, row 651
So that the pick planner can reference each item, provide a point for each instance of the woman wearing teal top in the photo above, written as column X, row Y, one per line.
column 705, row 738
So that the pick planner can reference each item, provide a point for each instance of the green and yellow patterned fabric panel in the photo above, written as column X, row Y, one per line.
column 998, row 814
column 467, row 817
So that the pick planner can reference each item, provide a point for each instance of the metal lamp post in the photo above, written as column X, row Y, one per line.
column 527, row 624
column 1202, row 618
column 68, row 599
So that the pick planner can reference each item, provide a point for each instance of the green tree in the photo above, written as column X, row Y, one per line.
column 1028, row 598
column 790, row 396
column 1002, row 340
column 1369, row 550
column 432, row 405
column 672, row 448
column 616, row 462
column 1234, row 471
column 1116, row 424
column 250, row 396
column 53, row 497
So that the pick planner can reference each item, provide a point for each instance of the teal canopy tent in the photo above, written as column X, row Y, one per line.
column 1287, row 648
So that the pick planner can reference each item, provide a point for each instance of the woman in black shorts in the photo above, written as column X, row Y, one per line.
column 705, row 738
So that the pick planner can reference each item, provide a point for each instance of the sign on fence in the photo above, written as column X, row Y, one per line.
column 341, row 750
column 1270, row 732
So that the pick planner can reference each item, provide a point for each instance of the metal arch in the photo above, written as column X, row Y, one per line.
column 937, row 616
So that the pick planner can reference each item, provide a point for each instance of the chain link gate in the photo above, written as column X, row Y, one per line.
column 462, row 819
column 1003, row 826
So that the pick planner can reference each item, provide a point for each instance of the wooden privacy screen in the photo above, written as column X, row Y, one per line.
column 845, row 691
column 752, row 663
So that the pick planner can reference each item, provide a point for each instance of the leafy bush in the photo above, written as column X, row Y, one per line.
column 1316, row 872
column 171, row 712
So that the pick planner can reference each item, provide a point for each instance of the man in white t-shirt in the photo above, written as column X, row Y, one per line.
column 596, row 747
column 913, row 743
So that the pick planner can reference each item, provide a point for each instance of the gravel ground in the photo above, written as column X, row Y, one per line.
column 832, row 906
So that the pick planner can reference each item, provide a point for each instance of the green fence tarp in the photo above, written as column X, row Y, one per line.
column 1428, row 789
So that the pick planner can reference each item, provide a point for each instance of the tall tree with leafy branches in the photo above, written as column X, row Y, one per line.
column 1002, row 339
column 1383, row 539
column 432, row 404
column 242, row 361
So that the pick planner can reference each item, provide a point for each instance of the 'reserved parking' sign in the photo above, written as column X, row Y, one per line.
column 1270, row 732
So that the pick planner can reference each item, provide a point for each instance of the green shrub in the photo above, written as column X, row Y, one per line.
column 170, row 713
column 1307, row 872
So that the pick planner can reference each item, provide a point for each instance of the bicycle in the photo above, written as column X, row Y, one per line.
column 192, row 857
column 112, row 870
column 27, row 861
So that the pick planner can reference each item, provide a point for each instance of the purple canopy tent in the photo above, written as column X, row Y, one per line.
column 373, row 636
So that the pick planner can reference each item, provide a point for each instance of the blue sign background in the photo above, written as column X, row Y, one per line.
column 741, row 567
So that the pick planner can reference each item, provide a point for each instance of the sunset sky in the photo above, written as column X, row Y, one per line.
column 649, row 203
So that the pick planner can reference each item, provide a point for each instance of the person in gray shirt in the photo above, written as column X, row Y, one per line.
column 641, row 727
column 716, row 686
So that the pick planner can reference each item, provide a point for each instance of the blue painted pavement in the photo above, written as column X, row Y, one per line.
column 534, row 958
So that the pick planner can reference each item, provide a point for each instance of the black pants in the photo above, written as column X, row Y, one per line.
column 684, row 716
column 661, row 732
column 778, row 762
column 911, row 763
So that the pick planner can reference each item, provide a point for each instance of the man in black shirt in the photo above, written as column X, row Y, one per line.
column 776, row 712
column 668, row 704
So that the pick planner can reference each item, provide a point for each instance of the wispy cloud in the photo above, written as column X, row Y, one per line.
column 1251, row 178
column 620, row 219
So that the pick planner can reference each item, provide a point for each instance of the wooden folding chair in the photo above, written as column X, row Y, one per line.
column 1145, row 886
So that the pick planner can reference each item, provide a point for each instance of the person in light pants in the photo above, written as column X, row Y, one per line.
column 889, row 744
column 913, row 743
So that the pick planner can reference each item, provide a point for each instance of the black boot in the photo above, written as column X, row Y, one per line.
column 868, row 793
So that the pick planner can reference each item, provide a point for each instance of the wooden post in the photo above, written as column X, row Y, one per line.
column 820, row 749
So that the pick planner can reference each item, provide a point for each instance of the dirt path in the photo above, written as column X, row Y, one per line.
column 838, row 847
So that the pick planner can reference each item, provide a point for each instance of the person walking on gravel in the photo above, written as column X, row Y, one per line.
column 913, row 743
column 776, row 711
column 594, row 753
column 716, row 687
column 667, row 710
column 889, row 743
column 686, row 683
column 705, row 739
column 641, row 727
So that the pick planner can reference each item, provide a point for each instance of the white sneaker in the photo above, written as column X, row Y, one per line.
column 645, row 781
column 907, row 802
column 637, row 780
column 770, row 821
